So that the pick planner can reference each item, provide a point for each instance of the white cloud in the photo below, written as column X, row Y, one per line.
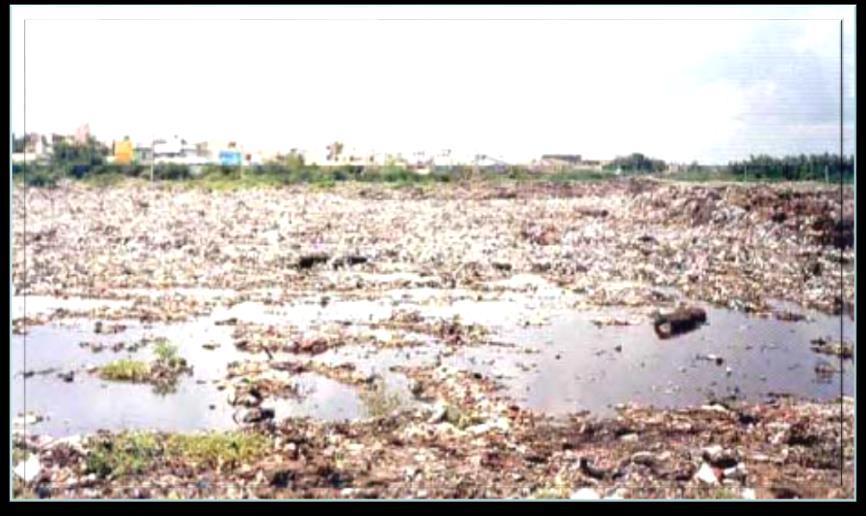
column 516, row 88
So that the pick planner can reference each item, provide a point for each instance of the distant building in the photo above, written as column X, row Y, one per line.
column 489, row 163
column 26, row 157
column 124, row 152
column 316, row 156
column 178, row 151
column 593, row 164
column 172, row 148
column 352, row 156
column 253, row 158
column 559, row 161
column 82, row 134
column 37, row 148
column 230, row 156
column 674, row 168
column 381, row 159
column 444, row 161
column 391, row 159
column 201, row 150
column 142, row 153
column 35, row 143
column 420, row 163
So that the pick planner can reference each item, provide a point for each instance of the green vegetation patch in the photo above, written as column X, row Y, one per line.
column 163, row 372
column 126, row 369
column 217, row 450
column 166, row 354
column 133, row 453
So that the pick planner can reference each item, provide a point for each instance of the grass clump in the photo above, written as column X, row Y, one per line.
column 166, row 354
column 380, row 402
column 134, row 453
column 123, row 454
column 126, row 369
column 167, row 368
column 217, row 450
column 163, row 372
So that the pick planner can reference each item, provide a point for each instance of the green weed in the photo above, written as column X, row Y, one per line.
column 132, row 453
column 126, row 369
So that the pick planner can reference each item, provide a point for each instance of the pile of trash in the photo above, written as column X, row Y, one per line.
column 732, row 245
column 647, row 246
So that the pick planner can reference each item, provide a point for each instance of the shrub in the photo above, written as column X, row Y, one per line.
column 171, row 171
column 41, row 177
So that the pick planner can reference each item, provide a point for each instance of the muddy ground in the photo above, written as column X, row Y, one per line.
column 460, row 341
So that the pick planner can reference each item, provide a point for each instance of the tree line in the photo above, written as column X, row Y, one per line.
column 830, row 167
column 636, row 162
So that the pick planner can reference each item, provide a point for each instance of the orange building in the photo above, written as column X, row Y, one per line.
column 123, row 152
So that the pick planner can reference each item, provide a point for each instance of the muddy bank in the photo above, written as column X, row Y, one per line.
column 783, row 449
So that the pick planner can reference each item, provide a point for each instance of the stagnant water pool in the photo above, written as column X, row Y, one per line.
column 560, row 363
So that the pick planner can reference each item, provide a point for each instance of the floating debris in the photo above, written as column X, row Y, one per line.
column 680, row 321
column 789, row 316
column 101, row 328
column 836, row 348
column 612, row 321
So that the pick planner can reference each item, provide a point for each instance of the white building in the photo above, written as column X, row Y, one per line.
column 351, row 156
column 37, row 148
column 178, row 151
column 27, row 157
column 316, row 156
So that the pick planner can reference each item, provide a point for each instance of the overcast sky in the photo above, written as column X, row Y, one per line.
column 699, row 83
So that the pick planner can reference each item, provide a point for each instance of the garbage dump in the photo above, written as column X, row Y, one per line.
column 473, row 340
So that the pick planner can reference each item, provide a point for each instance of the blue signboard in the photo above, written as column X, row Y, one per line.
column 230, row 157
